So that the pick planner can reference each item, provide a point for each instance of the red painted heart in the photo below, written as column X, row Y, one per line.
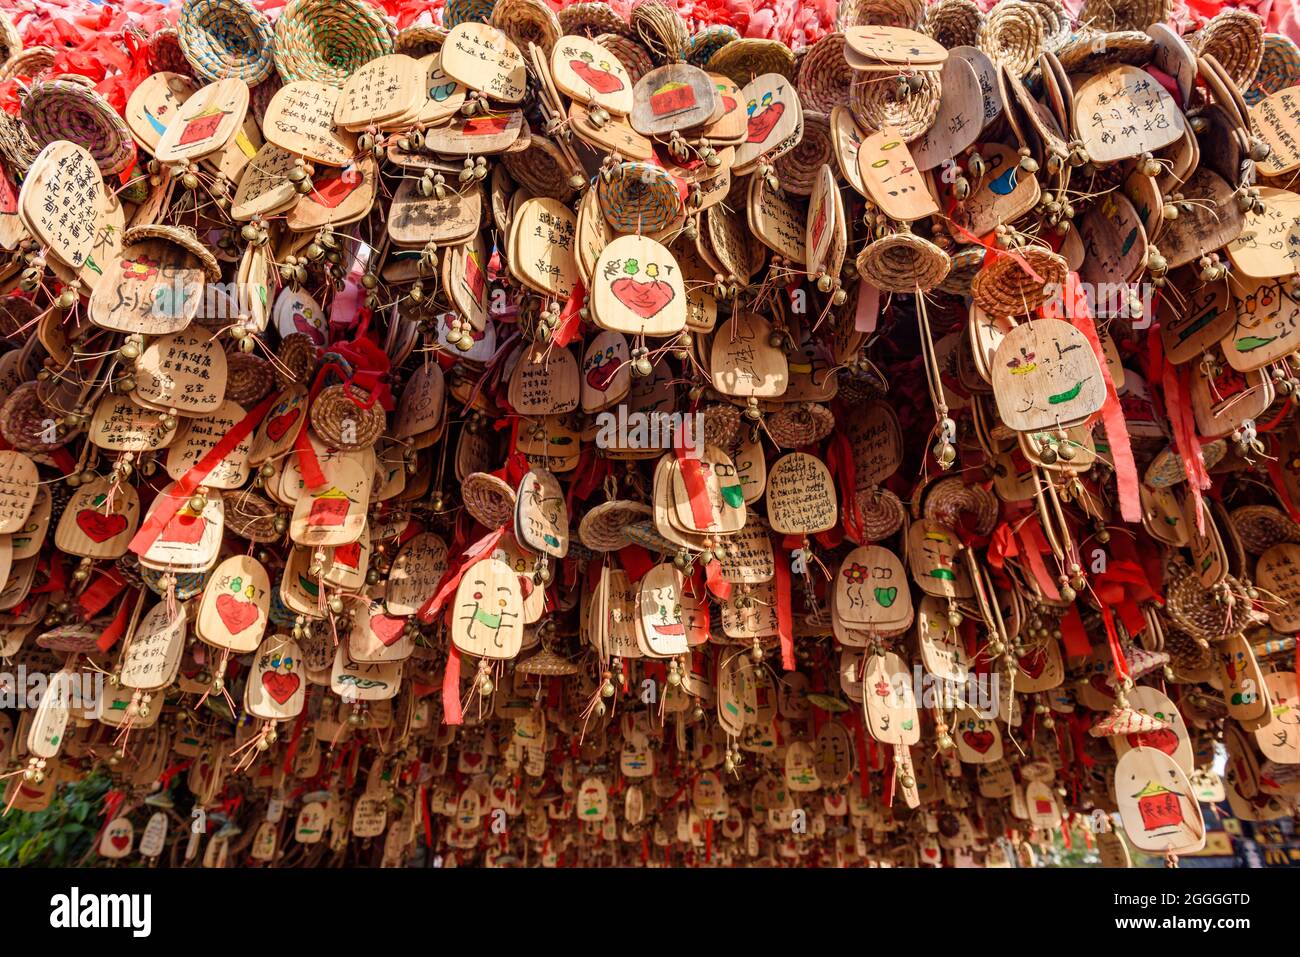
column 644, row 298
column 762, row 122
column 279, row 686
column 979, row 741
column 1164, row 739
column 99, row 527
column 236, row 615
column 1033, row 663
column 120, row 841
column 387, row 628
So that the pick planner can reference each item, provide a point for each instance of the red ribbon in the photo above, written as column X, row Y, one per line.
column 179, row 493
column 784, row 616
column 446, row 588
column 115, row 628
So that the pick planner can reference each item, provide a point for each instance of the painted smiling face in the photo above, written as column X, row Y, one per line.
column 1046, row 375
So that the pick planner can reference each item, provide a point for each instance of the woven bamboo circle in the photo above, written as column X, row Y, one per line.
column 1108, row 16
column 881, row 13
column 1236, row 39
column 876, row 103
column 249, row 379
column 1003, row 287
column 296, row 360
column 547, row 662
column 593, row 19
column 488, row 499
column 1195, row 610
column 903, row 263
column 742, row 60
column 1279, row 68
column 722, row 426
column 16, row 313
column 180, row 235
column 419, row 41
column 10, row 42
column 630, row 53
column 226, row 38
column 465, row 11
column 16, row 143
column 61, row 110
column 882, row 513
column 1088, row 51
column 339, row 416
column 1260, row 527
column 707, row 42
column 796, row 424
column 824, row 76
column 638, row 198
column 951, row 498
column 541, row 168
column 250, row 516
column 661, row 29
column 966, row 262
column 954, row 23
column 1012, row 35
column 165, row 53
column 329, row 40
column 527, row 21
column 260, row 96
column 601, row 529
column 1056, row 23
column 24, row 421
column 30, row 63
column 797, row 169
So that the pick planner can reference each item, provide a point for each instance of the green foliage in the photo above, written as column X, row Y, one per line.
column 59, row 836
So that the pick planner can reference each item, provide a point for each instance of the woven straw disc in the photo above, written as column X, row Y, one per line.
column 463, row 11
column 824, row 76
column 344, row 423
column 1056, row 23
column 1088, row 51
column 631, row 54
column 226, row 38
column 1278, row 68
column 296, row 360
column 797, row 169
column 24, row 420
column 527, row 21
column 1260, row 527
column 1004, row 288
column 165, row 53
column 419, row 41
column 329, row 40
column 63, row 110
column 546, row 662
column 488, row 499
column 1236, row 39
column 1012, row 35
column 722, row 425
column 966, row 262
column 903, row 263
column 541, row 168
column 638, row 198
column 248, row 378
column 796, row 424
column 882, row 513
column 876, row 103
column 954, row 23
column 707, row 42
column 592, row 19
column 180, row 235
column 661, row 28
column 1107, row 15
column 250, row 516
column 10, row 42
column 950, row 498
column 742, row 60
column 881, row 13
column 601, row 529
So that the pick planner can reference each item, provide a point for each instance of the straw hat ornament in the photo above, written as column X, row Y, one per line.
column 425, row 386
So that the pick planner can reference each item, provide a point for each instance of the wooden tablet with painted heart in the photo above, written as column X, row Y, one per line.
column 541, row 516
column 801, row 496
column 773, row 116
column 960, row 118
column 1156, row 804
column 892, row 179
column 236, row 601
column 673, row 97
column 638, row 289
column 339, row 196
column 275, row 689
column 300, row 120
column 482, row 134
column 1267, row 323
column 978, row 738
column 871, row 588
column 1264, row 250
column 586, row 71
column 1173, row 740
column 59, row 201
column 297, row 310
column 335, row 513
column 661, row 621
column 205, row 122
column 99, row 520
column 606, row 373
column 1123, row 112
column 1046, row 375
column 485, row 59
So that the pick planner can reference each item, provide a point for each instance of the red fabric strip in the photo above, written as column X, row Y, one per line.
column 447, row 587
column 451, row 688
column 115, row 628
column 784, row 616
